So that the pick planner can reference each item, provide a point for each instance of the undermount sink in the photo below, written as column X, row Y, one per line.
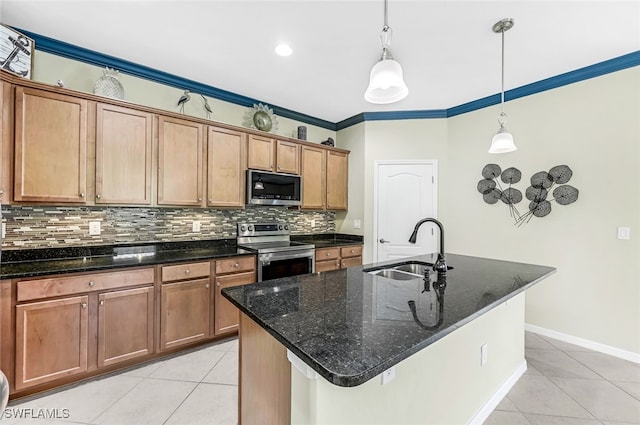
column 404, row 271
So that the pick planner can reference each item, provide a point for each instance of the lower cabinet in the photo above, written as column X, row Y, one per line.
column 51, row 340
column 61, row 321
column 229, row 273
column 185, row 306
column 339, row 257
column 125, row 325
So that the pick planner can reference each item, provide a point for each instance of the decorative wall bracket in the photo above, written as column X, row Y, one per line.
column 541, row 184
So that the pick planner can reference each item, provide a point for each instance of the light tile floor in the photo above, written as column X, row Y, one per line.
column 564, row 385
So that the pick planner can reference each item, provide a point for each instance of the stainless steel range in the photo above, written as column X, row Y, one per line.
column 277, row 255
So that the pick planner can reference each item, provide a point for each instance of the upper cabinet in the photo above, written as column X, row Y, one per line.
column 123, row 155
column 313, row 166
column 273, row 155
column 337, row 180
column 180, row 170
column 226, row 153
column 51, row 133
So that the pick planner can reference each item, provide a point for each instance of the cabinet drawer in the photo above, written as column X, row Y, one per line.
column 67, row 285
column 351, row 261
column 351, row 251
column 323, row 266
column 234, row 265
column 236, row 279
column 186, row 271
column 327, row 254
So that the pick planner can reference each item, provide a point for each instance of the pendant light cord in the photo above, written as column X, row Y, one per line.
column 502, row 94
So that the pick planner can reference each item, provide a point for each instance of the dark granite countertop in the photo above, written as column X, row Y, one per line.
column 350, row 326
column 329, row 240
column 47, row 261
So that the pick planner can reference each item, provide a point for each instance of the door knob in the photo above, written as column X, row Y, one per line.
column 383, row 241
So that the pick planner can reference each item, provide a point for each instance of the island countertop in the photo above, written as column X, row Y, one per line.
column 350, row 325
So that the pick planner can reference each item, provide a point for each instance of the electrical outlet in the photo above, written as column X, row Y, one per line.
column 624, row 233
column 4, row 230
column 313, row 223
column 357, row 224
column 388, row 375
column 484, row 349
column 94, row 228
column 195, row 226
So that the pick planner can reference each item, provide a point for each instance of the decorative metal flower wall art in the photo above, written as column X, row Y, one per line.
column 541, row 184
column 261, row 117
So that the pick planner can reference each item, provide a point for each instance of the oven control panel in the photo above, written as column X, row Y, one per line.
column 262, row 229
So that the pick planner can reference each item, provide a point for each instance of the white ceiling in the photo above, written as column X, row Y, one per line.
column 447, row 48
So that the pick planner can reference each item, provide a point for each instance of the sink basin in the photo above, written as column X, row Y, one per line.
column 395, row 274
column 405, row 271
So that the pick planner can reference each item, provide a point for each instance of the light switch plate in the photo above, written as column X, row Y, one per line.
column 624, row 233
column 4, row 230
column 357, row 224
column 94, row 228
column 196, row 226
column 388, row 375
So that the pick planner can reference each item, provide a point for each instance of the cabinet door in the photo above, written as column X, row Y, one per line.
column 337, row 180
column 123, row 156
column 313, row 171
column 51, row 340
column 6, row 141
column 180, row 172
column 261, row 154
column 50, row 147
column 226, row 157
column 125, row 325
column 323, row 266
column 184, row 313
column 287, row 157
column 226, row 314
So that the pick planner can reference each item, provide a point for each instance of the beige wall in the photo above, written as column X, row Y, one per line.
column 592, row 126
column 80, row 76
column 353, row 138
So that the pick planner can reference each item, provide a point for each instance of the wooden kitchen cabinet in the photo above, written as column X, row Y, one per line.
column 185, row 306
column 6, row 141
column 51, row 136
column 313, row 166
column 339, row 257
column 54, row 336
column 226, row 166
column 51, row 340
column 180, row 162
column 337, row 180
column 230, row 272
column 273, row 155
column 125, row 325
column 260, row 153
column 123, row 155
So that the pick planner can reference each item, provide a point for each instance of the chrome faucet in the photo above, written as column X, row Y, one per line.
column 440, row 266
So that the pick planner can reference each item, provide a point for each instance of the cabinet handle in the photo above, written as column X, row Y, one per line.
column 187, row 271
column 218, row 283
column 199, row 199
column 328, row 254
column 83, row 305
column 101, row 302
column 352, row 251
column 1, row 192
column 98, row 196
column 338, row 264
column 206, row 286
column 82, row 194
column 91, row 283
column 210, row 200
column 279, row 168
column 236, row 265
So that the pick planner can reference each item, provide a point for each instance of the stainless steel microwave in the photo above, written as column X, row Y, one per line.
column 265, row 188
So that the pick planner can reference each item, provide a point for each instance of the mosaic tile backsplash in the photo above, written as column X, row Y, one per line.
column 46, row 227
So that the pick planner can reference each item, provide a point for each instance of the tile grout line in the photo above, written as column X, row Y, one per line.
column 92, row 421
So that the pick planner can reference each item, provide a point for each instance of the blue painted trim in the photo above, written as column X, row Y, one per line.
column 70, row 51
column 60, row 48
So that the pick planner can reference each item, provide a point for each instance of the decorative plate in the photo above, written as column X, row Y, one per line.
column 261, row 117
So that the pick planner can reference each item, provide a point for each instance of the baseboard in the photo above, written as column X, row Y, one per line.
column 491, row 404
column 591, row 345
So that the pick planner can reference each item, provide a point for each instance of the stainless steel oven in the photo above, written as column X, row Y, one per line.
column 277, row 255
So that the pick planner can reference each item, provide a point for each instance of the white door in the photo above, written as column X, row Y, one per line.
column 405, row 193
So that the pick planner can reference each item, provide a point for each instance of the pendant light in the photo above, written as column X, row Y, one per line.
column 386, row 82
column 503, row 140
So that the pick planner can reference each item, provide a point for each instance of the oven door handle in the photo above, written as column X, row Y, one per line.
column 267, row 258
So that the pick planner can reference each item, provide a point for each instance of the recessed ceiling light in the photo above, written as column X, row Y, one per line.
column 283, row 50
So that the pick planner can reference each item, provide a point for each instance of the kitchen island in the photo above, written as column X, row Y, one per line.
column 342, row 329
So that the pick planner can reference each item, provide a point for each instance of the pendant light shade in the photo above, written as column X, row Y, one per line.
column 386, row 81
column 502, row 142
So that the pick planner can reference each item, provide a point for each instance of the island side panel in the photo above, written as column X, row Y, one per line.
column 264, row 377
column 441, row 384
